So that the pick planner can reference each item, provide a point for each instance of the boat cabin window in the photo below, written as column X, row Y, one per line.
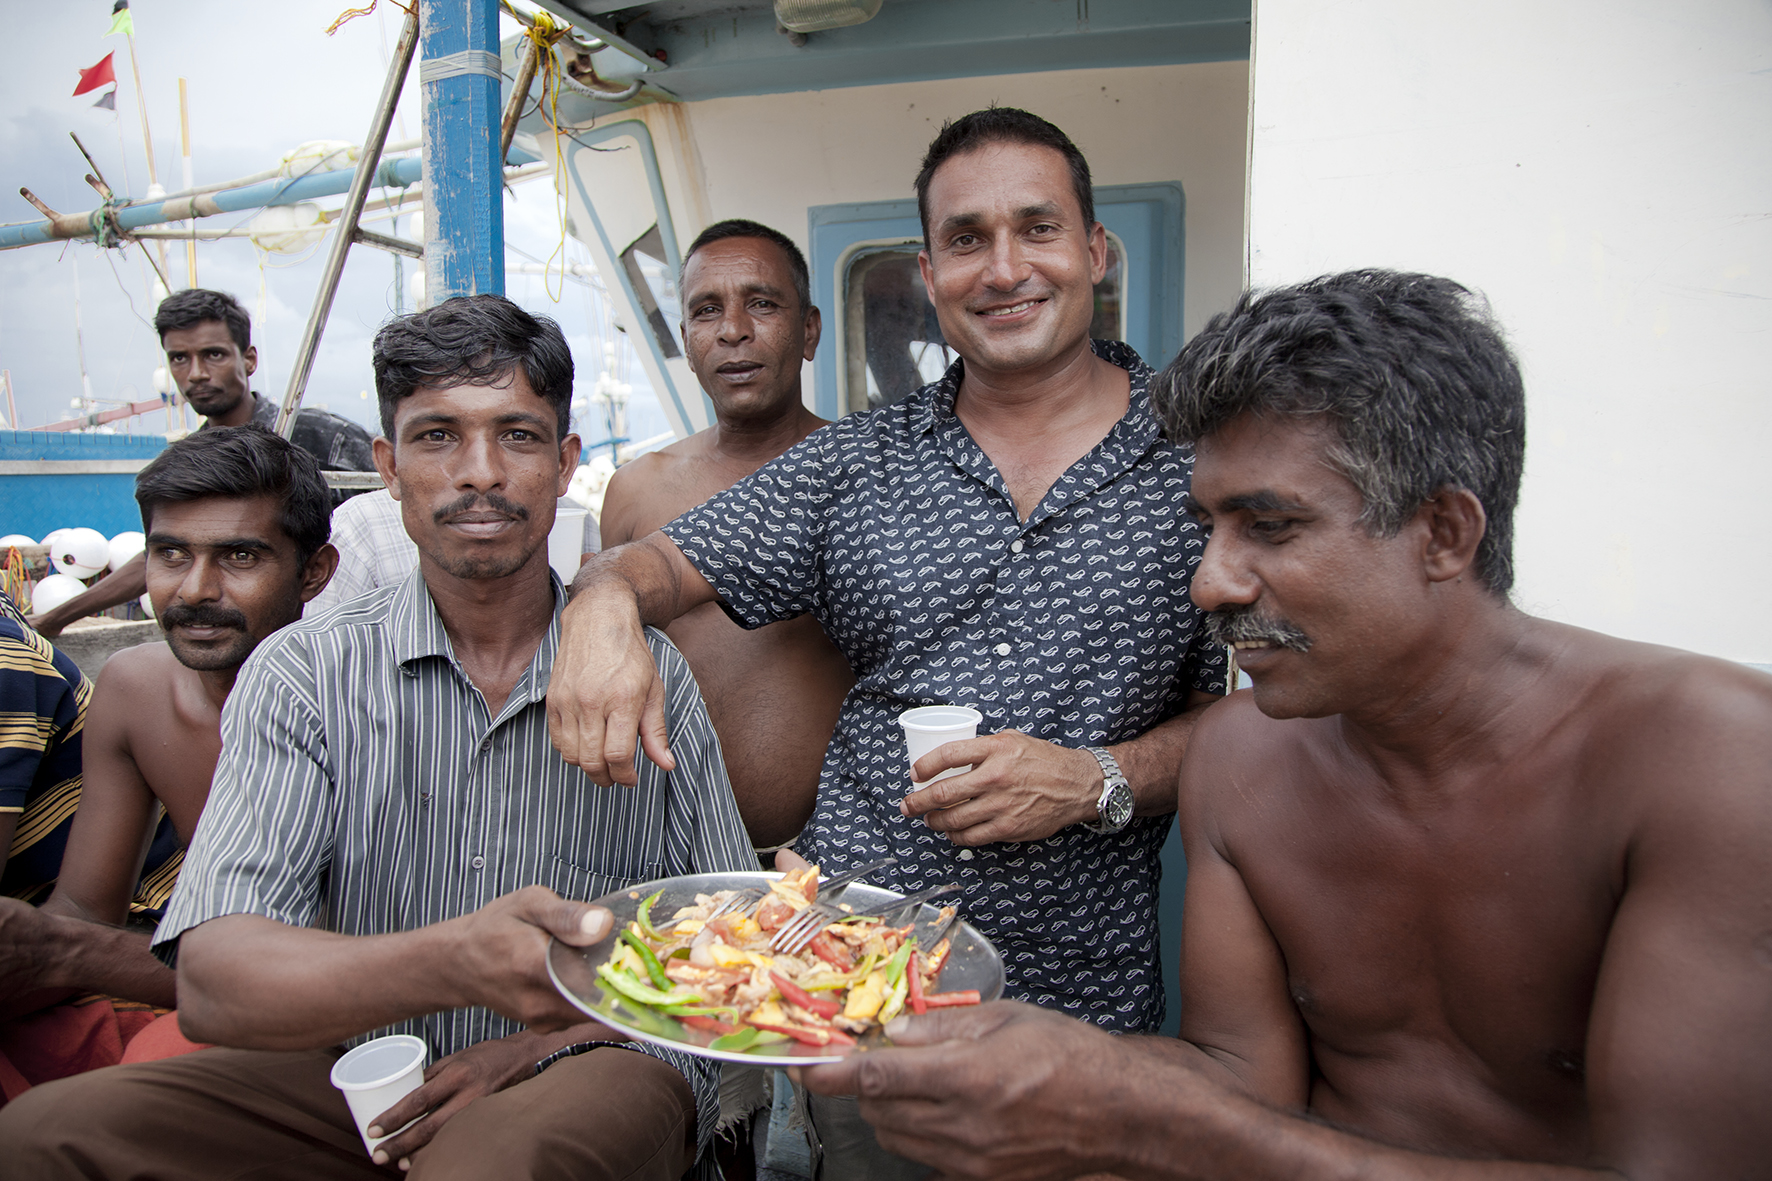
column 656, row 288
column 892, row 342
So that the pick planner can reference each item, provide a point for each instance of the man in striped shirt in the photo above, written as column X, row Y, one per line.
column 391, row 841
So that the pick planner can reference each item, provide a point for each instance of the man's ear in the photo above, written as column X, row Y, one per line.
column 383, row 450
column 569, row 452
column 814, row 331
column 250, row 356
column 1455, row 523
column 318, row 572
column 1098, row 252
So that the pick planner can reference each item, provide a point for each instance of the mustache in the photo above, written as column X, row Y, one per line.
column 203, row 615
column 472, row 500
column 1241, row 625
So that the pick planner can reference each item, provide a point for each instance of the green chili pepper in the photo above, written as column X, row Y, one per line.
column 895, row 965
column 654, row 969
column 630, row 987
column 644, row 917
column 740, row 1040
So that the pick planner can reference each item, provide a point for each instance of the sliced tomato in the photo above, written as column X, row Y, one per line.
column 710, row 1024
column 773, row 913
column 832, row 951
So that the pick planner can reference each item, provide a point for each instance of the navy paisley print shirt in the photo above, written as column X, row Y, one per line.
column 899, row 535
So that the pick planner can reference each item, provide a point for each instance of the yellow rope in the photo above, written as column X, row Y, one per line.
column 546, row 34
column 351, row 14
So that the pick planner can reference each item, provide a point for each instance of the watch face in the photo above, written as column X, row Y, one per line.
column 1117, row 812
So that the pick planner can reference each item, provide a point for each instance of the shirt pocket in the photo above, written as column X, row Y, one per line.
column 583, row 883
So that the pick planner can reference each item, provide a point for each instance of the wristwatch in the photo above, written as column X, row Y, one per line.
column 1113, row 811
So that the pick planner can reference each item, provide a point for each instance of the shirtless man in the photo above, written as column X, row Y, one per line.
column 1470, row 894
column 236, row 521
column 773, row 693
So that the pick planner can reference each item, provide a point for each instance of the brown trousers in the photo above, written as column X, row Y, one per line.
column 254, row 1115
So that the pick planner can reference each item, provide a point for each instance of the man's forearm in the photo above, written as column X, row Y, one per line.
column 252, row 983
column 128, row 582
column 648, row 572
column 93, row 957
column 1152, row 761
column 1233, row 1138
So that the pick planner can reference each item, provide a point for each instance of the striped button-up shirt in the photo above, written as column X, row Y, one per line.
column 364, row 788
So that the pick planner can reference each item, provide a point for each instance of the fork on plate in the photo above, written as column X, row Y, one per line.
column 748, row 898
column 799, row 931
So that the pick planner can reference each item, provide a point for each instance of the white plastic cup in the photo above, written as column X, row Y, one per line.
column 378, row 1074
column 566, row 541
column 930, row 726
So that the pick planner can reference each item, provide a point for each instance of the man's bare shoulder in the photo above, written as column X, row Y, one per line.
column 145, row 666
column 653, row 489
column 1681, row 725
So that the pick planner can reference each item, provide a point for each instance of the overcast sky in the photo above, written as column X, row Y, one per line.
column 262, row 78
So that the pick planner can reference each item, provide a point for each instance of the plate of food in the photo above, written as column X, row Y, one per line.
column 677, row 972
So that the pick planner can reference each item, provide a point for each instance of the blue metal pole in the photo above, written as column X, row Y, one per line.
column 464, row 196
column 396, row 173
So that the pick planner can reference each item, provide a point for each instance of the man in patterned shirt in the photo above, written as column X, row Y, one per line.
column 1010, row 538
column 391, row 841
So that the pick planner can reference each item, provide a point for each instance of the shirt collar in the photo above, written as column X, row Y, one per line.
column 417, row 632
column 936, row 400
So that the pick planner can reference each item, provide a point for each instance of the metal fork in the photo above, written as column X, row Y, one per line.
column 794, row 936
column 748, row 898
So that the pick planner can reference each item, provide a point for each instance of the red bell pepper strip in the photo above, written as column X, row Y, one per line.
column 812, row 1037
column 710, row 1024
column 944, row 1000
column 915, row 996
column 794, row 994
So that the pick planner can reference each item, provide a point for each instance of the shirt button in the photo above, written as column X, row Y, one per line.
column 486, row 745
column 965, row 854
column 1015, row 547
column 1004, row 649
column 478, row 863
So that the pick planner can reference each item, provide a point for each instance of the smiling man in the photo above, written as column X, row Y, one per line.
column 773, row 693
column 236, row 522
column 1471, row 895
column 1008, row 538
column 391, row 842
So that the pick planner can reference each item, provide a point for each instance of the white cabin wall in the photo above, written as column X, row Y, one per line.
column 770, row 157
column 1599, row 169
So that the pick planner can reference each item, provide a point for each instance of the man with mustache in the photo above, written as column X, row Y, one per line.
column 1471, row 895
column 773, row 693
column 207, row 336
column 391, row 843
column 236, row 521
column 1008, row 538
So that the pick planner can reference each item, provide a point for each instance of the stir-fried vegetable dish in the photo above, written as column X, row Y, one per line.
column 719, row 975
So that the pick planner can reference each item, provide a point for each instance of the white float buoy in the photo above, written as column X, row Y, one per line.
column 81, row 552
column 125, row 546
column 53, row 591
column 17, row 539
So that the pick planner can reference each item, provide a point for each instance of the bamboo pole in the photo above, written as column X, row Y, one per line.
column 184, row 135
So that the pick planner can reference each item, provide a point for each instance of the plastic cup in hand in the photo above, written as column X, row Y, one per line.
column 376, row 1075
column 930, row 726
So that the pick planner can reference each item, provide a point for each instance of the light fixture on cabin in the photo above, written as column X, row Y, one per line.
column 815, row 16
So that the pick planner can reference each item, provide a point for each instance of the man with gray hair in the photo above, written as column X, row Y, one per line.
column 1470, row 894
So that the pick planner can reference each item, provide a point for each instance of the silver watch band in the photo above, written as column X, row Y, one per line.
column 1111, row 778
